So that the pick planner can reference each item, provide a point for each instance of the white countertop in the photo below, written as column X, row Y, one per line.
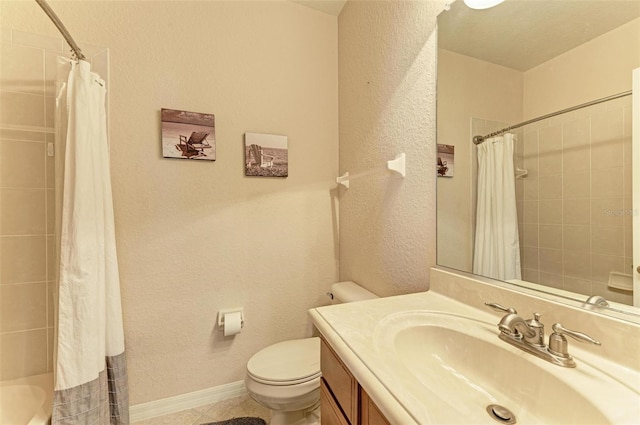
column 350, row 328
column 353, row 330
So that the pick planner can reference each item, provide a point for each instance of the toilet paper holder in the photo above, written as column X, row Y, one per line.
column 223, row 312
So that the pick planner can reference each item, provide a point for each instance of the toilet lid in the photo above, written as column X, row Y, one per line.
column 287, row 362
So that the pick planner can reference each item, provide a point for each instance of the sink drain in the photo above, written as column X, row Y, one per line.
column 501, row 414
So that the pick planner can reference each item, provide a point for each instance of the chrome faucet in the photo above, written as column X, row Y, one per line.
column 528, row 335
column 513, row 325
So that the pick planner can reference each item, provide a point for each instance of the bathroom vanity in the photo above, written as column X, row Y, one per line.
column 435, row 357
column 343, row 400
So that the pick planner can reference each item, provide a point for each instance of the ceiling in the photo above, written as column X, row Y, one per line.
column 332, row 7
column 522, row 34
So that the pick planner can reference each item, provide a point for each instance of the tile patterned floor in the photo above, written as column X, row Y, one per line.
column 232, row 408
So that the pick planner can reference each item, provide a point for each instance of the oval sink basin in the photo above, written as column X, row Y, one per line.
column 462, row 366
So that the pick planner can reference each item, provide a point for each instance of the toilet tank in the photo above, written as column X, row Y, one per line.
column 348, row 291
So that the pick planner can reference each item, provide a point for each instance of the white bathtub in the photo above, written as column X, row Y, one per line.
column 26, row 401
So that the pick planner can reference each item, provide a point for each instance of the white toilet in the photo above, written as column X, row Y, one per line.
column 285, row 377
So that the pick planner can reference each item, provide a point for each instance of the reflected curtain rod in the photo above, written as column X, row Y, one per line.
column 479, row 139
column 63, row 30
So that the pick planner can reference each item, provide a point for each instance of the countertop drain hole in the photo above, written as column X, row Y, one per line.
column 501, row 414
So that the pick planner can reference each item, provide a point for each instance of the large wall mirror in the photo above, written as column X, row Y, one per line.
column 568, row 176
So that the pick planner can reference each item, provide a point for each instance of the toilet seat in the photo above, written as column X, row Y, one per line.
column 286, row 363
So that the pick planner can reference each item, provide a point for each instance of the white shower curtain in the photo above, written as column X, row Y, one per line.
column 90, row 366
column 497, row 245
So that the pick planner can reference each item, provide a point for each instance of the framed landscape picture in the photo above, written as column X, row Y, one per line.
column 188, row 135
column 266, row 155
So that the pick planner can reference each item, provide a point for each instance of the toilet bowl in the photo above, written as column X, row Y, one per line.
column 285, row 377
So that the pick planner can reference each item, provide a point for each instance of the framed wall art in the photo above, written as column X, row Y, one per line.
column 266, row 155
column 188, row 135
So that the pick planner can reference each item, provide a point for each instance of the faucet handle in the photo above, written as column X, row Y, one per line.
column 558, row 344
column 498, row 307
column 537, row 326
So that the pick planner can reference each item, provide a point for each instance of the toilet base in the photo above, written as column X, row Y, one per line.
column 310, row 416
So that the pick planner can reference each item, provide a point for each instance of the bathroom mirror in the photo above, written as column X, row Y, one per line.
column 519, row 61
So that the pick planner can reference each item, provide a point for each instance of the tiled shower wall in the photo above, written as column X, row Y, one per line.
column 575, row 204
column 27, row 198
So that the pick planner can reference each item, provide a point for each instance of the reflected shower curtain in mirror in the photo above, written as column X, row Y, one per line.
column 90, row 366
column 497, row 245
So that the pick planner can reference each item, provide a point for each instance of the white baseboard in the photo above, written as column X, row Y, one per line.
column 177, row 403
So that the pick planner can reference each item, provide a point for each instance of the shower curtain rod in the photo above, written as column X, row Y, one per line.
column 58, row 23
column 479, row 139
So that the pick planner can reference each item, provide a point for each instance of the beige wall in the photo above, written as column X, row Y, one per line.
column 598, row 68
column 195, row 237
column 491, row 95
column 387, row 106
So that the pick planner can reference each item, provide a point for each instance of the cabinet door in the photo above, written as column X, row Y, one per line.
column 369, row 412
column 340, row 382
column 330, row 413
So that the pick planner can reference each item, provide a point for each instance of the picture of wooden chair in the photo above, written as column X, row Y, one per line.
column 195, row 145
column 259, row 158
column 442, row 167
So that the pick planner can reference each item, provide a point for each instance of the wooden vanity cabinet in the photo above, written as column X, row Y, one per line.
column 343, row 400
column 369, row 412
column 330, row 412
column 341, row 387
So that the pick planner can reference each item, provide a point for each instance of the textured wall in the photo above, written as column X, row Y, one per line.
column 195, row 237
column 387, row 67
